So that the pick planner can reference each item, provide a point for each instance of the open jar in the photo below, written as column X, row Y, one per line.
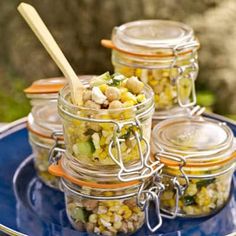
column 101, row 204
column 163, row 54
column 112, row 138
column 199, row 161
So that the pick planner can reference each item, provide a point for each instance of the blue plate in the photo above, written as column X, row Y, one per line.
column 31, row 208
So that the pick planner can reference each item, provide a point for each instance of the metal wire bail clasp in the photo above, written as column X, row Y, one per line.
column 145, row 198
column 180, row 160
column 179, row 191
column 145, row 167
column 56, row 150
column 185, row 79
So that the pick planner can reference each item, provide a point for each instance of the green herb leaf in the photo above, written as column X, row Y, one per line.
column 79, row 214
column 84, row 148
column 204, row 183
column 189, row 200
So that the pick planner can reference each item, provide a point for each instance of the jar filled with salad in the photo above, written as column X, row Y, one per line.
column 42, row 140
column 113, row 125
column 102, row 204
column 163, row 54
column 44, row 125
column 199, row 160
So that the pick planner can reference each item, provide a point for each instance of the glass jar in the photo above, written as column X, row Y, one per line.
column 111, row 138
column 101, row 204
column 44, row 125
column 45, row 129
column 199, row 161
column 162, row 54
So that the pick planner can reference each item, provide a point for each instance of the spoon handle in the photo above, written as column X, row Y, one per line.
column 41, row 31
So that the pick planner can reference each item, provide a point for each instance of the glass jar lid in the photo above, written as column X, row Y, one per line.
column 152, row 37
column 197, row 140
column 45, row 89
column 44, row 120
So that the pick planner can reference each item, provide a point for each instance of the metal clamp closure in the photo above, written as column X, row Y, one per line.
column 182, row 101
column 145, row 167
column 144, row 199
column 196, row 111
column 181, row 75
column 179, row 191
column 56, row 150
column 182, row 162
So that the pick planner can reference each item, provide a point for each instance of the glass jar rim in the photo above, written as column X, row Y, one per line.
column 153, row 37
column 44, row 121
column 65, row 92
column 47, row 89
column 168, row 143
column 57, row 170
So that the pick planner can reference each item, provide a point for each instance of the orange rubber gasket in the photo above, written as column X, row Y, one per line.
column 61, row 138
column 191, row 164
column 45, row 88
column 109, row 44
column 39, row 88
column 59, row 172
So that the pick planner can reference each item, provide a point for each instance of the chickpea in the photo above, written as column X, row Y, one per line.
column 87, row 95
column 134, row 85
column 115, row 105
column 90, row 227
column 112, row 93
column 91, row 104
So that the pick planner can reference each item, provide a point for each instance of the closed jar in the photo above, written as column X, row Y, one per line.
column 199, row 161
column 163, row 54
column 99, row 204
column 45, row 130
column 44, row 126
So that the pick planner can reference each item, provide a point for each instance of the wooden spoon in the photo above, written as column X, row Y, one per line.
column 39, row 28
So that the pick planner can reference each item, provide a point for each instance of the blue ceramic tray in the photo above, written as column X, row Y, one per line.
column 31, row 208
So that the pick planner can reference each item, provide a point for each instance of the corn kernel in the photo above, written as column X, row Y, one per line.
column 93, row 218
column 110, row 214
column 171, row 202
column 114, row 208
column 153, row 82
column 128, row 103
column 180, row 204
column 105, row 217
column 103, row 87
column 127, row 96
column 101, row 228
column 127, row 214
column 141, row 97
column 103, row 155
column 128, row 114
column 102, row 141
column 106, row 126
column 123, row 209
column 117, row 225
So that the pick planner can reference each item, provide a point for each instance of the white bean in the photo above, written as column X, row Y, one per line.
column 91, row 104
column 134, row 85
column 112, row 93
column 115, row 105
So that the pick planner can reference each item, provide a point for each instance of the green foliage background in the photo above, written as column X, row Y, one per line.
column 79, row 25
